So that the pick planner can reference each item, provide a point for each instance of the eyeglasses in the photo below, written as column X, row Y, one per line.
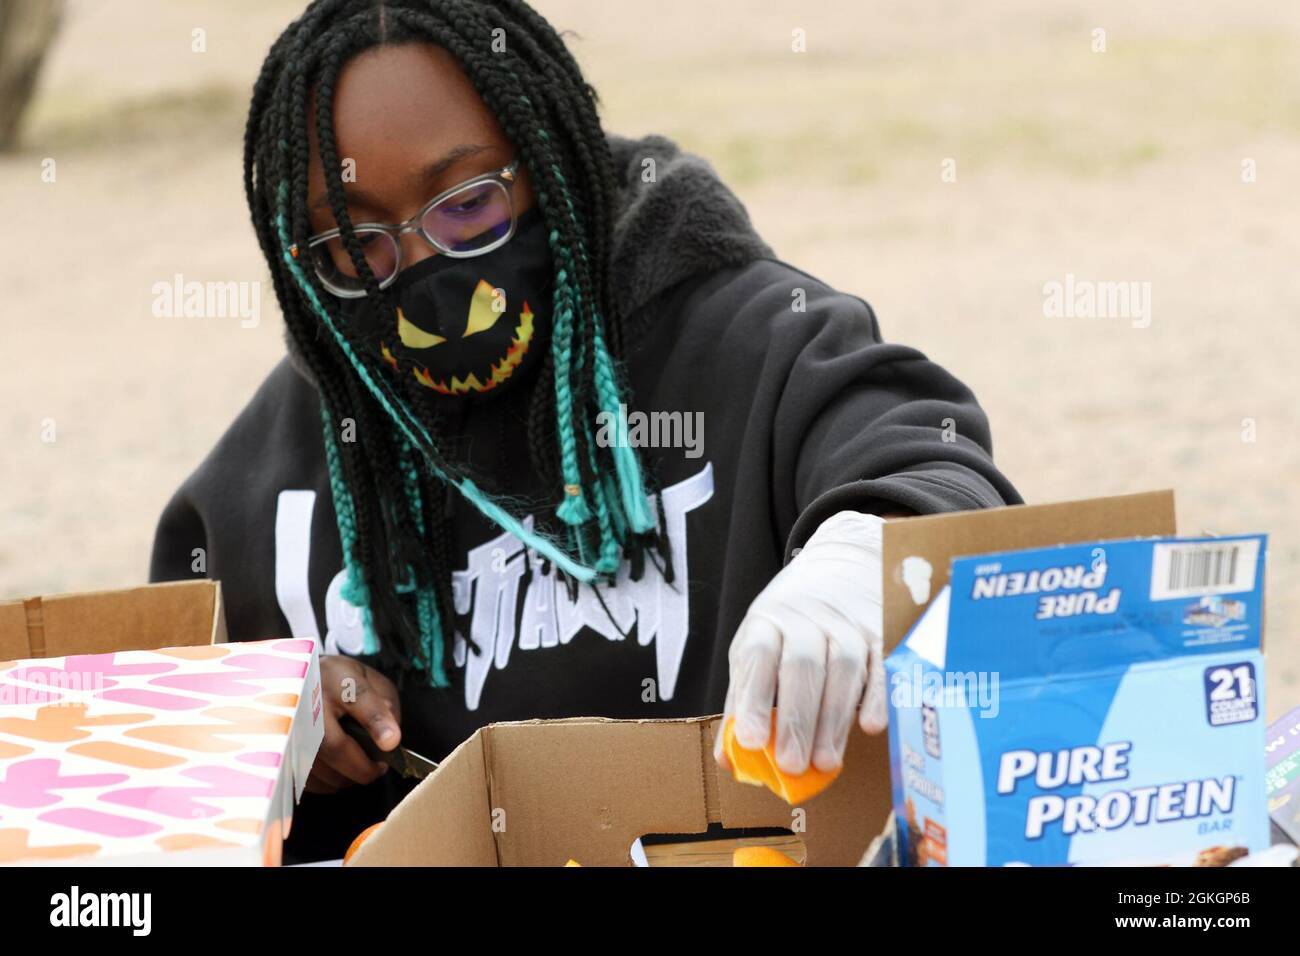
column 467, row 220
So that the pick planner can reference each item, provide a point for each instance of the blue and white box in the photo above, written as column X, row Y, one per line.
column 1085, row 704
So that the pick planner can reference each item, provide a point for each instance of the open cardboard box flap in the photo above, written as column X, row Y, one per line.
column 937, row 539
column 177, row 614
column 540, row 792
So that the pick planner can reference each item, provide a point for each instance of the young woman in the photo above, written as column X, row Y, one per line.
column 557, row 433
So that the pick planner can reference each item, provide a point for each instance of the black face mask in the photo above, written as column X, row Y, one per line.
column 465, row 326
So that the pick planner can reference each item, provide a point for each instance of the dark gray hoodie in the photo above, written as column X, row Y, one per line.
column 790, row 406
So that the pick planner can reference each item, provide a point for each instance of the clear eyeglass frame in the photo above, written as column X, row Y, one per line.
column 504, row 178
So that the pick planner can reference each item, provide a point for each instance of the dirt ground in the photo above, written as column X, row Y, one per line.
column 1122, row 165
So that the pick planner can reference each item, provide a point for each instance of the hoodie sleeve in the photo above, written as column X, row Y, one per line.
column 809, row 411
column 875, row 427
column 180, row 542
column 865, row 425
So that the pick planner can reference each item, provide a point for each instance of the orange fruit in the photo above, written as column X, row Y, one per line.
column 761, row 856
column 362, row 837
column 759, row 768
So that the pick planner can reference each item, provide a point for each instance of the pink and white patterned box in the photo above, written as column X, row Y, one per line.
column 184, row 756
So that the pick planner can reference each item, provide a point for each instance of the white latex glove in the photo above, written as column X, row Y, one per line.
column 811, row 643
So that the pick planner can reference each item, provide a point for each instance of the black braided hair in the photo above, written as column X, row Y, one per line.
column 393, row 486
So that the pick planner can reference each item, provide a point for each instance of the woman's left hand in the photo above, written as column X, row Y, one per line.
column 811, row 643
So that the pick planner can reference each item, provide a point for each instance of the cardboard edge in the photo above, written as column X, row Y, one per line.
column 489, row 783
column 1160, row 498
column 38, row 624
column 374, row 850
column 219, row 634
column 34, row 613
column 106, row 592
column 553, row 721
column 709, row 729
column 295, row 766
column 303, row 749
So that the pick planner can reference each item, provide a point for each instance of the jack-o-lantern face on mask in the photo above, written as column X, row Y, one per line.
column 465, row 326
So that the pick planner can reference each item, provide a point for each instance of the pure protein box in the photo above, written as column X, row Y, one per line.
column 1085, row 704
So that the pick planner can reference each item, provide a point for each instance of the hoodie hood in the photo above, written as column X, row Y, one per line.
column 675, row 219
column 684, row 222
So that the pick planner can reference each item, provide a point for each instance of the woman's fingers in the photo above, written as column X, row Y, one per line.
column 368, row 697
column 846, row 673
column 375, row 705
column 800, row 686
column 755, row 655
column 343, row 756
column 874, row 715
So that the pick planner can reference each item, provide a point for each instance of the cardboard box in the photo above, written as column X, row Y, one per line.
column 179, row 614
column 190, row 752
column 541, row 792
column 586, row 788
column 1090, row 704
column 917, row 553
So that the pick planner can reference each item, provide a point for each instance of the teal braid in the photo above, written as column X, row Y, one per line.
column 573, row 509
column 611, row 554
column 354, row 591
column 631, row 484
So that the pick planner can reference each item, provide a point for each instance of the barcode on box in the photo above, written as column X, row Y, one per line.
column 1194, row 569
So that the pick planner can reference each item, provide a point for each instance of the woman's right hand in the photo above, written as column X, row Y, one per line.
column 371, row 699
